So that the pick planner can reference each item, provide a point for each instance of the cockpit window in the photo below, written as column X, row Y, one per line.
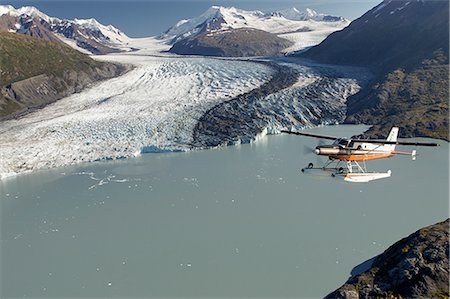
column 343, row 142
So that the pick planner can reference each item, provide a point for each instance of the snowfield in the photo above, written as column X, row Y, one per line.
column 153, row 107
column 314, row 35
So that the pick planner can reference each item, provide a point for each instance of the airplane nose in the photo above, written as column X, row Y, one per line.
column 317, row 151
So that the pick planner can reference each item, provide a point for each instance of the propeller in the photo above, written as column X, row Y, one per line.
column 307, row 149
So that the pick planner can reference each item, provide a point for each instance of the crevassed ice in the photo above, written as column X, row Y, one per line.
column 157, row 104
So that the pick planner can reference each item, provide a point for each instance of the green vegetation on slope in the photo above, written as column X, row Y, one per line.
column 417, row 101
column 35, row 72
column 23, row 57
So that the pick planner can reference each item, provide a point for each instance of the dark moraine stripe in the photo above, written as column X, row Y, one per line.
column 229, row 121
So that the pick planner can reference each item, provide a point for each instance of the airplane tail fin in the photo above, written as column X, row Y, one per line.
column 393, row 134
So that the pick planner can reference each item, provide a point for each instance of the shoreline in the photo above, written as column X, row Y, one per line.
column 4, row 178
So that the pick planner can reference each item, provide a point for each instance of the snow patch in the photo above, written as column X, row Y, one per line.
column 399, row 8
column 72, row 43
column 8, row 10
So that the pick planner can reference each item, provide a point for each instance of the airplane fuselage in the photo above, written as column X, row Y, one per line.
column 346, row 150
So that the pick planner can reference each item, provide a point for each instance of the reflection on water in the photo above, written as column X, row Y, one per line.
column 236, row 222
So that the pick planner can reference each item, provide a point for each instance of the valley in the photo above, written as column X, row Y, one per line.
column 155, row 167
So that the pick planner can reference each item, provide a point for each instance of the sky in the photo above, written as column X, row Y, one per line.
column 139, row 18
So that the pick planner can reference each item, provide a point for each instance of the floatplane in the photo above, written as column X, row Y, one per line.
column 347, row 157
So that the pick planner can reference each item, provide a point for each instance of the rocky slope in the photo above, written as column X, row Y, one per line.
column 417, row 101
column 242, row 42
column 35, row 72
column 406, row 45
column 414, row 267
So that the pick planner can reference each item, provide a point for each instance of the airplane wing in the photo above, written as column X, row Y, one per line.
column 376, row 141
column 310, row 135
column 396, row 142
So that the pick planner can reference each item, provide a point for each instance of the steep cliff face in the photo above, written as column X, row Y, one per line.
column 35, row 72
column 414, row 267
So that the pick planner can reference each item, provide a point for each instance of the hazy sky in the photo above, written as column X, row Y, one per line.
column 151, row 17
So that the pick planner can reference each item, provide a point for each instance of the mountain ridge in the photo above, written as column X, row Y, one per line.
column 415, row 27
column 85, row 35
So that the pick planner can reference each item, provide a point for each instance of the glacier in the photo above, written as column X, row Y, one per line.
column 157, row 106
column 299, row 95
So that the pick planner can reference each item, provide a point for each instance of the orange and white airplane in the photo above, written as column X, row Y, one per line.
column 344, row 155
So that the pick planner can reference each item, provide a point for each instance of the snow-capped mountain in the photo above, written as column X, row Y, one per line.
column 304, row 28
column 87, row 35
column 215, row 18
column 306, row 15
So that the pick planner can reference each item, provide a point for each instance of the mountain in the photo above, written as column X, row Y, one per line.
column 391, row 35
column 88, row 35
column 414, row 267
column 406, row 45
column 303, row 29
column 35, row 72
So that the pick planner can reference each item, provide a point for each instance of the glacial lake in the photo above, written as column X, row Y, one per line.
column 236, row 222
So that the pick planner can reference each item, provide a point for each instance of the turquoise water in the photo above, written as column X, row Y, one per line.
column 235, row 222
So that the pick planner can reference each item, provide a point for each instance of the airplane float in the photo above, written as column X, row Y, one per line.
column 347, row 157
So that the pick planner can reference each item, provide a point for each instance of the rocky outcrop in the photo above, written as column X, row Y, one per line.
column 242, row 42
column 414, row 267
